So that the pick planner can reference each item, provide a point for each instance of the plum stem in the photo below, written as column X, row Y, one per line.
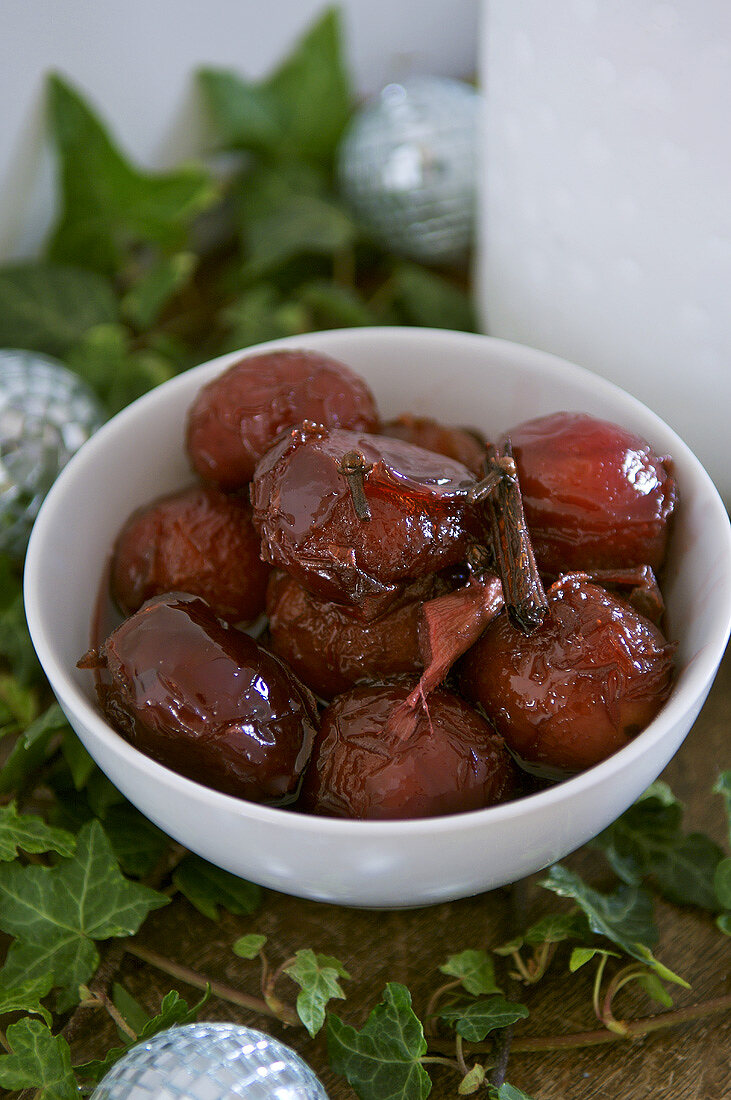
column 516, row 564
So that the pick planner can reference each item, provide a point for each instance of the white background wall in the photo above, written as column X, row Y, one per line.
column 136, row 61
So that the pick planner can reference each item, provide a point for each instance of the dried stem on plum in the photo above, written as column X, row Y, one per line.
column 355, row 470
column 516, row 565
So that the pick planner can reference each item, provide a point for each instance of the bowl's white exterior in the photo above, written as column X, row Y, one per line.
column 459, row 378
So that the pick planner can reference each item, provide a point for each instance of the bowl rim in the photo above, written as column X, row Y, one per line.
column 698, row 674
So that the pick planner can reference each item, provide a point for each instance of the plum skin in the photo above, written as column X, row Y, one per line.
column 462, row 444
column 420, row 522
column 453, row 761
column 595, row 495
column 578, row 688
column 237, row 416
column 206, row 700
column 200, row 541
column 328, row 648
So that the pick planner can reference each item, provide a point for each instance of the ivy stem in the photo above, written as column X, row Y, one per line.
column 101, row 1000
column 597, row 987
column 634, row 1029
column 199, row 981
column 3, row 1041
column 459, row 1047
column 523, row 974
column 275, row 975
column 436, row 996
column 627, row 974
column 435, row 1060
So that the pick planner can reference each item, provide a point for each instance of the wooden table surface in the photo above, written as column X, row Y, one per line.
column 693, row 1061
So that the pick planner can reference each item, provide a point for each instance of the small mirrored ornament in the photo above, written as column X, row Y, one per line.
column 46, row 413
column 210, row 1061
column 407, row 167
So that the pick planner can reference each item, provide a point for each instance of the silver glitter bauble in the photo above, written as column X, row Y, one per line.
column 46, row 413
column 210, row 1062
column 407, row 167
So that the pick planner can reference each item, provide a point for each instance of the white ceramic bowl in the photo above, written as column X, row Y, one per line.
column 458, row 378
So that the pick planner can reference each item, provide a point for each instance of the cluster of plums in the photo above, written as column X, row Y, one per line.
column 387, row 681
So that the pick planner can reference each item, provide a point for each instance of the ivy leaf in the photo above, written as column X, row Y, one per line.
column 660, row 969
column 15, row 644
column 118, row 375
column 29, row 751
column 245, row 115
column 624, row 917
column 144, row 302
column 473, row 1020
column 475, row 969
column 137, row 843
column 723, row 921
column 580, row 956
column 554, row 928
column 382, row 1061
column 426, row 298
column 317, row 976
column 312, row 92
column 109, row 208
column 26, row 997
column 248, row 947
column 722, row 786
column 174, row 1012
column 39, row 1060
column 723, row 882
column 18, row 705
column 208, row 887
column 131, row 1010
column 81, row 765
column 647, row 842
column 286, row 214
column 48, row 307
column 261, row 314
column 57, row 913
column 299, row 112
column 507, row 1092
column 653, row 987
column 472, row 1080
column 335, row 306
column 31, row 834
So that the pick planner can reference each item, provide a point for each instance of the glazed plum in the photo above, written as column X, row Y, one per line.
column 205, row 699
column 461, row 444
column 580, row 687
column 452, row 762
column 329, row 649
column 595, row 495
column 354, row 516
column 235, row 418
column 200, row 541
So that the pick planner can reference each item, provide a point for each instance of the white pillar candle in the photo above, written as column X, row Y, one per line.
column 605, row 218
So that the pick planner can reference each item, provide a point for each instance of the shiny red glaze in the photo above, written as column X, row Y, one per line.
column 206, row 700
column 200, row 541
column 461, row 444
column 452, row 762
column 595, row 495
column 580, row 686
column 420, row 520
column 329, row 649
column 235, row 418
